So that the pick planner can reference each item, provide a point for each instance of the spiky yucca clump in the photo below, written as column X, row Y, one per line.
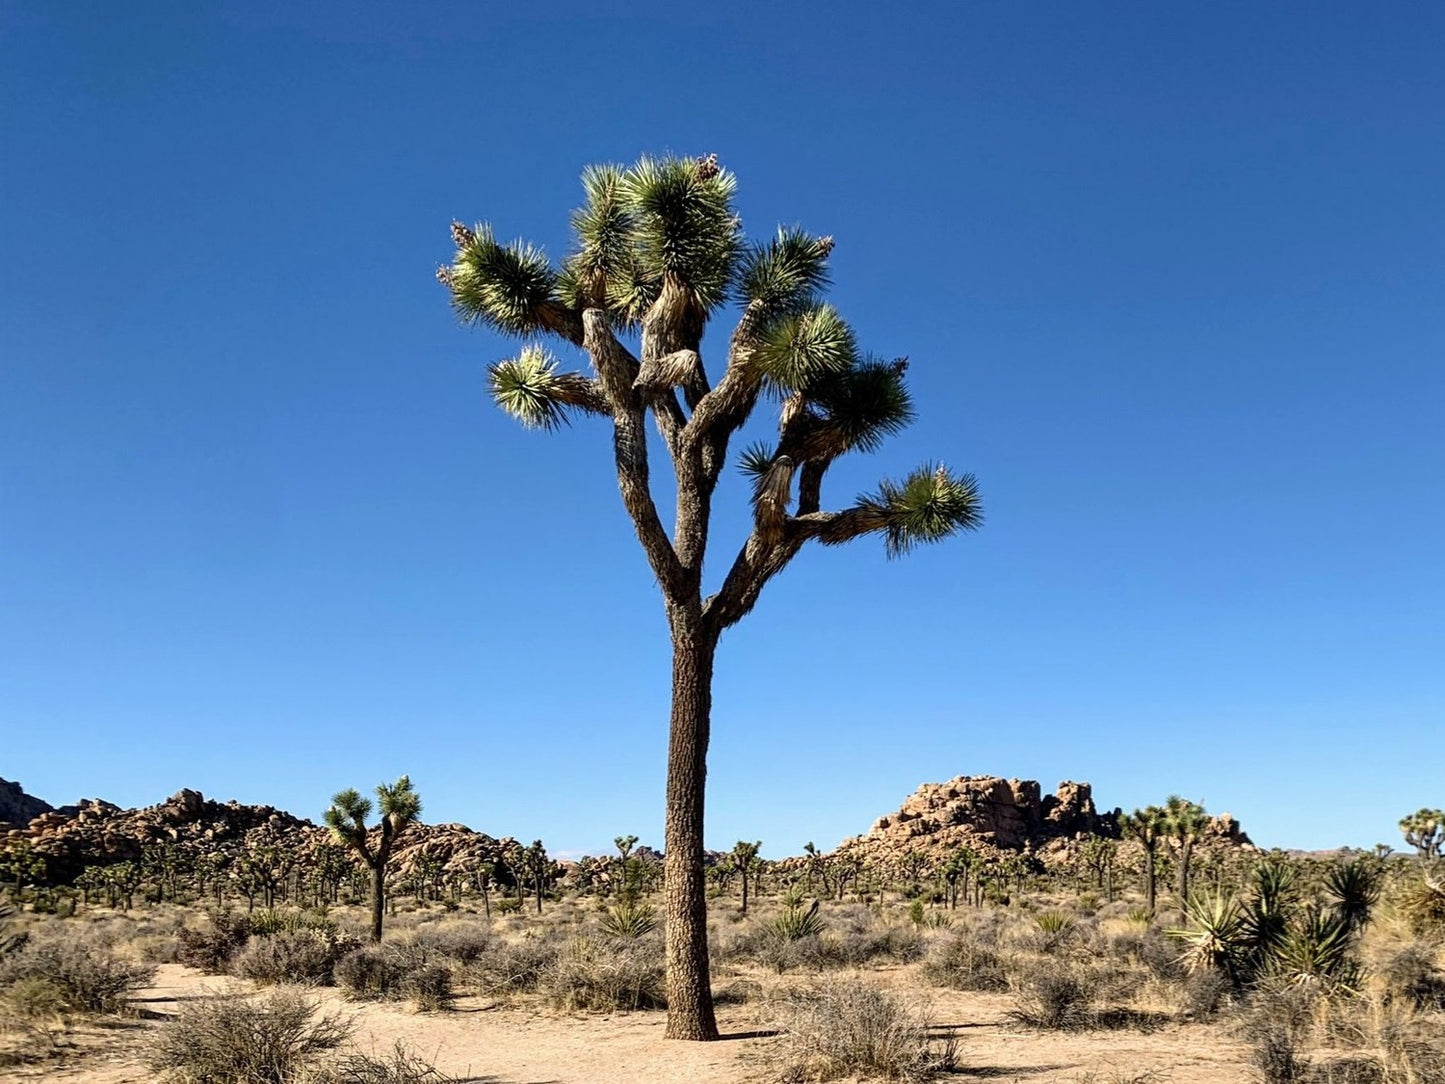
column 794, row 923
column 629, row 919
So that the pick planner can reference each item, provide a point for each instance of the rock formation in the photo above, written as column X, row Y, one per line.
column 96, row 833
column 17, row 807
column 988, row 813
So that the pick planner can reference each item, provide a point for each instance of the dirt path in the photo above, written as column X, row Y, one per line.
column 483, row 1042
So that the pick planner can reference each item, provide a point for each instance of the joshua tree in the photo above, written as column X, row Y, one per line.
column 744, row 854
column 1186, row 823
column 1425, row 831
column 658, row 252
column 399, row 806
column 538, row 866
column 1148, row 826
column 1097, row 855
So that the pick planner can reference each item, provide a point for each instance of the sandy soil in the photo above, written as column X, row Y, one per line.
column 485, row 1042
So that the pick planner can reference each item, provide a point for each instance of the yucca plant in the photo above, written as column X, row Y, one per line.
column 658, row 252
column 1217, row 935
column 794, row 923
column 1316, row 947
column 1053, row 922
column 629, row 919
column 1353, row 889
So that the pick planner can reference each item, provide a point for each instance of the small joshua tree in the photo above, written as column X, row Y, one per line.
column 1148, row 826
column 1186, row 823
column 400, row 806
column 744, row 854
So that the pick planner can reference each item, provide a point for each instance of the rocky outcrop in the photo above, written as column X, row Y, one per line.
column 991, row 814
column 18, row 808
column 96, row 833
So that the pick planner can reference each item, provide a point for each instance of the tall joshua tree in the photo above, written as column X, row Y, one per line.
column 399, row 806
column 1148, row 825
column 1186, row 823
column 658, row 251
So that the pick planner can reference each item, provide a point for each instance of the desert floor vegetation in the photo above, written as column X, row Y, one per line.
column 1300, row 971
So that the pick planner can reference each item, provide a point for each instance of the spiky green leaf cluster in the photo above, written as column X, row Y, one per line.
column 529, row 388
column 756, row 460
column 502, row 286
column 928, row 506
column 786, row 274
column 683, row 224
column 863, row 404
column 399, row 802
column 803, row 348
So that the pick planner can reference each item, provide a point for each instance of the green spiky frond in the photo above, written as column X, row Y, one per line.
column 529, row 388
column 805, row 348
column 502, row 286
column 1217, row 937
column 348, row 809
column 862, row 405
column 399, row 803
column 756, row 460
column 684, row 225
column 603, row 226
column 1187, row 820
column 928, row 506
column 785, row 274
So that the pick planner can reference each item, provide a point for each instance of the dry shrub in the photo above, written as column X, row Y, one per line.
column 428, row 987
column 509, row 967
column 401, row 1066
column 607, row 975
column 1053, row 994
column 1204, row 993
column 92, row 978
column 1275, row 1055
column 300, row 955
column 275, row 1039
column 211, row 947
column 852, row 1028
column 1277, row 1024
column 395, row 972
column 464, row 942
column 961, row 963
column 1410, row 973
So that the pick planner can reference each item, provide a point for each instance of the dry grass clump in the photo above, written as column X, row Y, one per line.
column 274, row 1039
column 960, row 962
column 608, row 975
column 514, row 967
column 853, row 1028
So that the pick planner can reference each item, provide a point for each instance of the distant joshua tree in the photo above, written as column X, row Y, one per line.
column 400, row 806
column 1187, row 822
column 1425, row 831
column 1148, row 826
column 744, row 854
column 658, row 251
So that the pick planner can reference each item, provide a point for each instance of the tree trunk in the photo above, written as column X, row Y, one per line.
column 1149, row 890
column 744, row 872
column 1185, row 854
column 378, row 900
column 689, row 990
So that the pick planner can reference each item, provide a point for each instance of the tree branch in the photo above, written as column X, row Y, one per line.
column 616, row 370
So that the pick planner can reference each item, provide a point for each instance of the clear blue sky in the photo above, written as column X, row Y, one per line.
column 1170, row 277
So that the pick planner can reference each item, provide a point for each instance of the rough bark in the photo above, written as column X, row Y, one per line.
column 689, row 997
column 378, row 900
